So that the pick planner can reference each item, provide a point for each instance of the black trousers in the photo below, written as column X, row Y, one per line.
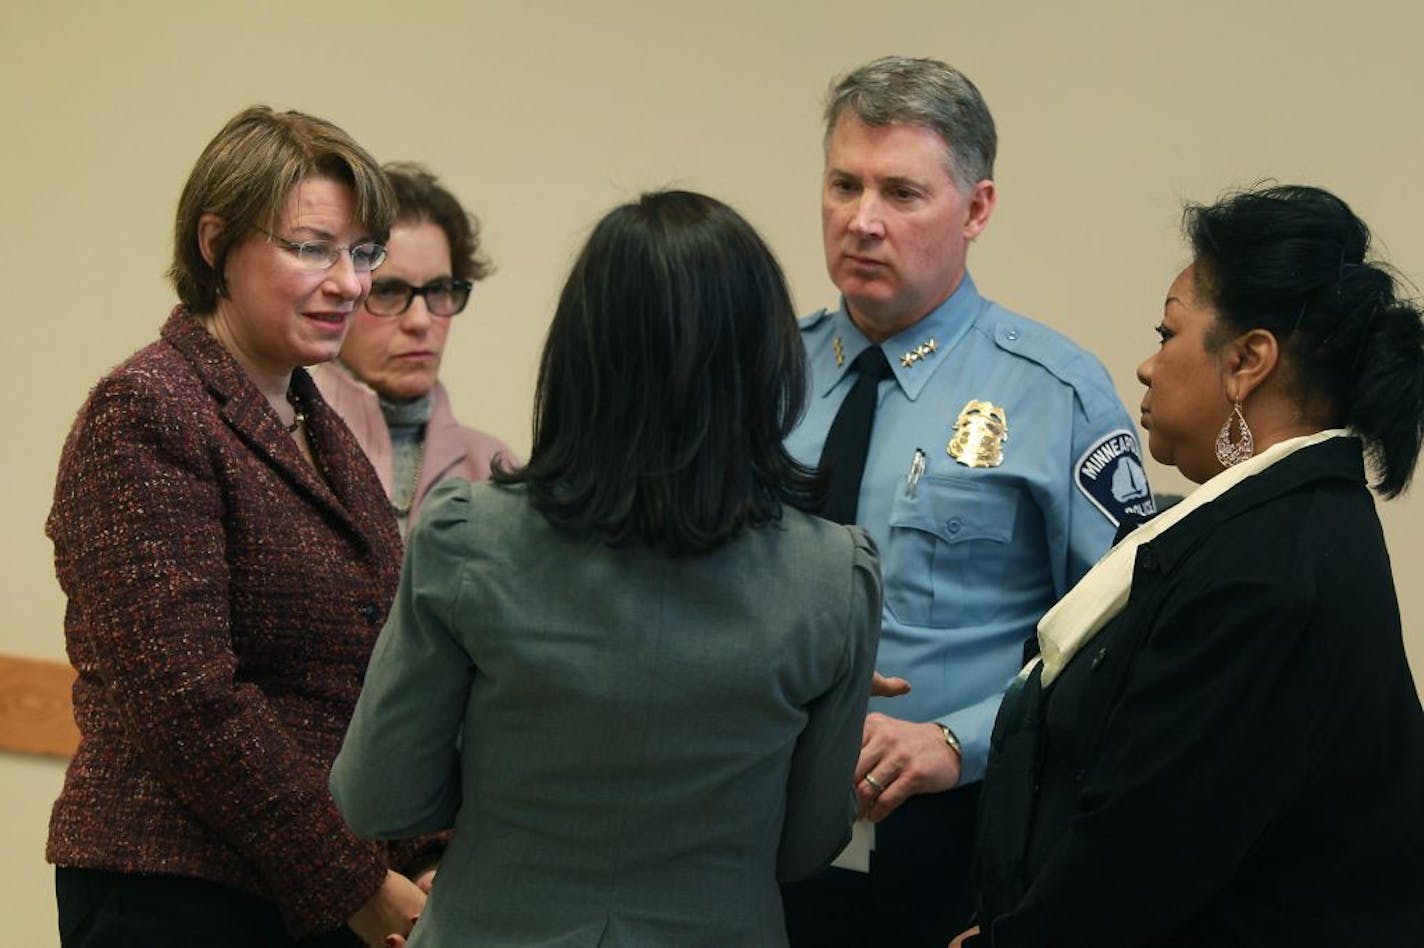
column 918, row 890
column 122, row 910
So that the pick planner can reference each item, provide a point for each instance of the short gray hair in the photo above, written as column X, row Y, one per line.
column 923, row 92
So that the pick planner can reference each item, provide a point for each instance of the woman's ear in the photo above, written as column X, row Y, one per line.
column 210, row 228
column 1248, row 361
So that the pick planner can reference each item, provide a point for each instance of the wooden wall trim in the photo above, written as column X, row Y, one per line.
column 36, row 707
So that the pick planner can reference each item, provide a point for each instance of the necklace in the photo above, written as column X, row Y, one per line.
column 300, row 417
column 404, row 497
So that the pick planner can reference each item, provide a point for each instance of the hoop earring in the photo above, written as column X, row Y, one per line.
column 1232, row 454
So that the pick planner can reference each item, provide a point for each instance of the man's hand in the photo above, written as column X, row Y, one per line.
column 899, row 759
column 882, row 687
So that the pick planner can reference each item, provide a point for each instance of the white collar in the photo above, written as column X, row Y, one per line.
column 1102, row 593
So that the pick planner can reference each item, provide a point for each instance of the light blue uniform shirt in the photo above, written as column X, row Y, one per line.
column 973, row 556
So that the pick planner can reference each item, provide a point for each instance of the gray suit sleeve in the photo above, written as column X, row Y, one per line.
column 820, row 796
column 398, row 771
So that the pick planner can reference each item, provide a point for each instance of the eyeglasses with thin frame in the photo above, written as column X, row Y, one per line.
column 323, row 254
column 443, row 296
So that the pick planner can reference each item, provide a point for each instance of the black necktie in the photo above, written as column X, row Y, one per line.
column 843, row 456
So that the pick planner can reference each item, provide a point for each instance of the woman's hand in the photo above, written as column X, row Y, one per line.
column 425, row 879
column 391, row 911
column 959, row 939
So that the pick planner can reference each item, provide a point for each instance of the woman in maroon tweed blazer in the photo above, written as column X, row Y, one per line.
column 229, row 557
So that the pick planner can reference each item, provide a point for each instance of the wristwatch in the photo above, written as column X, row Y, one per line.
column 951, row 740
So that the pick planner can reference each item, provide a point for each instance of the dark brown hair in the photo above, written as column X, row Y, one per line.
column 421, row 197
column 672, row 374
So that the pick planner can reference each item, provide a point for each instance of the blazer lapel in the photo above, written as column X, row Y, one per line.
column 1339, row 459
column 353, row 483
column 247, row 412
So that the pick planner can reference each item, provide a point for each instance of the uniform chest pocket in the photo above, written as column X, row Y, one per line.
column 949, row 541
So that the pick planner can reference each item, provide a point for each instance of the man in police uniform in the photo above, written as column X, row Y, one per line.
column 1000, row 464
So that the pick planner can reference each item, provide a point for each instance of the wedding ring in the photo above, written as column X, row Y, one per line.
column 879, row 787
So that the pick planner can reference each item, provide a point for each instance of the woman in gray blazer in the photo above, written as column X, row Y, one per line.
column 632, row 674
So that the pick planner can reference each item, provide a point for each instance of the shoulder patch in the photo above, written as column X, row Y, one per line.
column 1110, row 474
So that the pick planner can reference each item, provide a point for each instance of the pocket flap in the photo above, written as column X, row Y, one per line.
column 957, row 510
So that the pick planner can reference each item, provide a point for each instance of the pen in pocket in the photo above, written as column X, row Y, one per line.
column 917, row 468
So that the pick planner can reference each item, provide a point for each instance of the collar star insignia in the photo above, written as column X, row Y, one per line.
column 916, row 354
column 838, row 348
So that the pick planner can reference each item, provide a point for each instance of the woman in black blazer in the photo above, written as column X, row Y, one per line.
column 1221, row 743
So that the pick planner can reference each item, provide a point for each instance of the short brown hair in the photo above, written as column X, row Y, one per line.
column 421, row 197
column 244, row 177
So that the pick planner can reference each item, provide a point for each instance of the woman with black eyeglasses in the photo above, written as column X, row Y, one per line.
column 228, row 558
column 386, row 384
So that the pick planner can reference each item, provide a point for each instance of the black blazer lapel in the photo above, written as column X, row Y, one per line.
column 1339, row 459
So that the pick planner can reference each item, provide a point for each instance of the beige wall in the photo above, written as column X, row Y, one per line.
column 542, row 115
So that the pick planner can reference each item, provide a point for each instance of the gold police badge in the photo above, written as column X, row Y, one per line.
column 979, row 435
